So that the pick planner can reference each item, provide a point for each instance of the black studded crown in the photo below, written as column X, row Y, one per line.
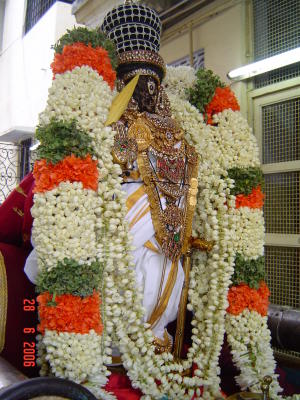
column 133, row 27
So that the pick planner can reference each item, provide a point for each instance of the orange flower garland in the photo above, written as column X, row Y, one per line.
column 71, row 314
column 242, row 296
column 223, row 99
column 78, row 54
column 253, row 200
column 73, row 169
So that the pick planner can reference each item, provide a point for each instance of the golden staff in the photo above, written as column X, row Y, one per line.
column 195, row 244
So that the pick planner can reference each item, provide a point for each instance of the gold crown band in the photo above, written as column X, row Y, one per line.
column 142, row 56
column 141, row 71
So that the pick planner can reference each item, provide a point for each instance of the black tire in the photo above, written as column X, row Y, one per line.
column 35, row 387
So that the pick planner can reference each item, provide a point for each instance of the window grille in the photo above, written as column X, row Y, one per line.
column 198, row 60
column 276, row 30
column 36, row 9
column 25, row 161
column 282, row 203
column 15, row 163
column 283, row 275
column 281, row 131
column 9, row 176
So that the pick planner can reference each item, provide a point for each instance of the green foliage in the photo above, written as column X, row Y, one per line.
column 246, row 179
column 71, row 277
column 60, row 139
column 94, row 37
column 250, row 272
column 203, row 91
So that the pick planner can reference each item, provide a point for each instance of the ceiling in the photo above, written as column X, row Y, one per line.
column 173, row 11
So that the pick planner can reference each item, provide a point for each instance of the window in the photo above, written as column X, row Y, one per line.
column 276, row 109
column 276, row 30
column 36, row 9
column 198, row 60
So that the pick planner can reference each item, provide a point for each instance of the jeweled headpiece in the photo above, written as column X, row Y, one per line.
column 135, row 29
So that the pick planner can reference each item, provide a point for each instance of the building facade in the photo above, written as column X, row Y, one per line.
column 28, row 29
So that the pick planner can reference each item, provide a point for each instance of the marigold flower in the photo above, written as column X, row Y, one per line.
column 72, row 169
column 242, row 296
column 253, row 200
column 223, row 99
column 78, row 54
column 71, row 313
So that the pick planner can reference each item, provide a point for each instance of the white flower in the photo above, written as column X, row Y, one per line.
column 178, row 80
column 249, row 339
column 64, row 225
column 249, row 232
column 75, row 356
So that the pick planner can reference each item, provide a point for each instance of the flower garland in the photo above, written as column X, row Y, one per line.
column 75, row 343
column 210, row 275
column 78, row 54
column 85, row 226
column 223, row 99
column 47, row 176
column 253, row 200
column 242, row 296
column 179, row 81
column 249, row 271
column 89, row 37
column 234, row 151
column 62, row 222
column 248, row 335
column 69, row 313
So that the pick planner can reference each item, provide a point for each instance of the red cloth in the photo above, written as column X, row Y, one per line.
column 15, row 216
column 15, row 233
column 19, row 288
column 120, row 385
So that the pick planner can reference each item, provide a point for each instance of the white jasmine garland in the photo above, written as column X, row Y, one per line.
column 210, row 275
column 179, row 79
column 76, row 356
column 249, row 338
column 236, row 142
column 41, row 356
column 66, row 218
column 250, row 232
column 81, row 94
column 64, row 224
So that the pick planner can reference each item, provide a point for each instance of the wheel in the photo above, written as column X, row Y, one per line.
column 35, row 387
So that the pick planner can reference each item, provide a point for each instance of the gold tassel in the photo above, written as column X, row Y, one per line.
column 120, row 102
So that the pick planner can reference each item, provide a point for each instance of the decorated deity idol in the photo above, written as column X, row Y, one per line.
column 147, row 202
column 159, row 167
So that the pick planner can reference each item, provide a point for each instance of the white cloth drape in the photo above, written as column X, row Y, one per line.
column 149, row 263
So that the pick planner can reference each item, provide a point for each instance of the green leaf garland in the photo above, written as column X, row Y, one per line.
column 203, row 91
column 60, row 139
column 71, row 277
column 250, row 271
column 245, row 179
column 93, row 37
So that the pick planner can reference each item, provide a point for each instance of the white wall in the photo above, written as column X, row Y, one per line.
column 25, row 74
column 223, row 38
column 2, row 7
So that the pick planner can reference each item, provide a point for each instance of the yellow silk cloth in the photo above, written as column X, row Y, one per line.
column 150, row 263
